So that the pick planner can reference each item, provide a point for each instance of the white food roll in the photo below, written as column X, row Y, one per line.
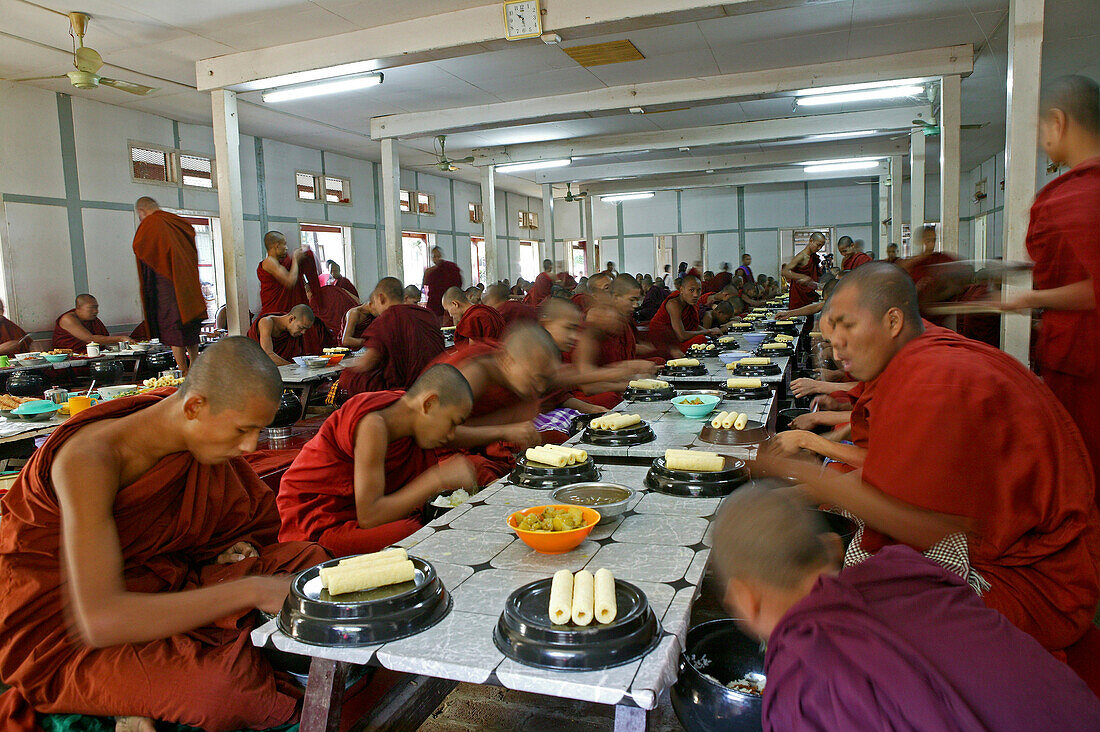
column 357, row 578
column 561, row 597
column 716, row 423
column 570, row 457
column 742, row 421
column 743, row 383
column 546, row 457
column 583, row 597
column 694, row 461
column 730, row 420
column 755, row 361
column 384, row 555
column 605, row 604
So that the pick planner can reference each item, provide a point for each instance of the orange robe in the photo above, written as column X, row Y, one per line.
column 9, row 331
column 854, row 260
column 64, row 339
column 961, row 428
column 540, row 290
column 172, row 524
column 310, row 343
column 168, row 271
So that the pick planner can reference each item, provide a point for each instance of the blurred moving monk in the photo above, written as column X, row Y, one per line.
column 472, row 322
column 969, row 457
column 13, row 339
column 439, row 278
column 78, row 327
column 853, row 256
column 896, row 642
column 281, row 283
column 413, row 295
column 355, row 486
column 136, row 544
column 168, row 272
column 513, row 311
column 400, row 342
column 286, row 335
column 542, row 286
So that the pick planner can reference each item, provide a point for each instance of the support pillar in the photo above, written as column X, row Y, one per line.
column 916, row 187
column 950, row 119
column 1025, row 55
column 878, row 246
column 391, row 209
column 590, row 239
column 489, row 221
column 549, row 246
column 227, row 152
column 897, row 174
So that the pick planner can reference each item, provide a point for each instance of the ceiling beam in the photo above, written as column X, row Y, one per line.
column 897, row 118
column 755, row 177
column 927, row 63
column 459, row 33
column 781, row 155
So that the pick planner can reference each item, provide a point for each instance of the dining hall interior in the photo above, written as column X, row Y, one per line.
column 662, row 365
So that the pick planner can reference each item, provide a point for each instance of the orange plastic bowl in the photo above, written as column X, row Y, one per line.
column 333, row 360
column 554, row 542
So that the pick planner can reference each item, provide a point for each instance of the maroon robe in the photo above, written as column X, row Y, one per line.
column 802, row 295
column 345, row 283
column 9, row 331
column 439, row 279
column 717, row 282
column 514, row 311
column 855, row 259
column 479, row 323
column 661, row 334
column 274, row 297
column 540, row 290
column 360, row 327
column 407, row 337
column 64, row 339
column 310, row 343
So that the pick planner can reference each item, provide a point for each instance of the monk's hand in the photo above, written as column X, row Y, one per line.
column 787, row 444
column 268, row 593
column 237, row 552
column 826, row 403
column 639, row 366
column 523, row 434
column 785, row 315
column 805, row 387
column 807, row 421
column 456, row 472
column 1020, row 302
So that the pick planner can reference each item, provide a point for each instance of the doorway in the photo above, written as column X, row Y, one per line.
column 477, row 257
column 329, row 244
column 672, row 249
column 529, row 265
column 577, row 251
column 415, row 248
column 981, row 237
column 211, row 270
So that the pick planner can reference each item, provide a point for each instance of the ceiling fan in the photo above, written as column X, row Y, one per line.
column 445, row 164
column 570, row 196
column 88, row 62
column 931, row 129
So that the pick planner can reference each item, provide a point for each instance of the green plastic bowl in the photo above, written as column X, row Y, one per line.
column 55, row 357
column 696, row 411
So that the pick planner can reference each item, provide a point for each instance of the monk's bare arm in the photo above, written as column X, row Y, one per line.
column 10, row 348
column 849, row 454
column 811, row 309
column 288, row 278
column 1078, row 296
column 266, row 342
column 788, row 273
column 369, row 360
column 348, row 340
column 585, row 353
column 675, row 316
column 85, row 477
column 72, row 324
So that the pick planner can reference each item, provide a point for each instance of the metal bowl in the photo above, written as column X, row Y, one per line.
column 609, row 499
column 705, row 705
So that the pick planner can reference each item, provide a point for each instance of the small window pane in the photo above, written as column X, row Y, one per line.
column 475, row 213
column 197, row 171
column 425, row 203
column 337, row 190
column 149, row 164
column 406, row 206
column 307, row 186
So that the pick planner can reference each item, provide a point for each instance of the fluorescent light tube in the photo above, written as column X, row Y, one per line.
column 616, row 197
column 857, row 87
column 320, row 88
column 533, row 165
column 835, row 161
column 299, row 77
column 860, row 96
column 835, row 167
column 842, row 135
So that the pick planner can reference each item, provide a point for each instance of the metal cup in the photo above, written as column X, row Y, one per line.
column 57, row 396
column 172, row 373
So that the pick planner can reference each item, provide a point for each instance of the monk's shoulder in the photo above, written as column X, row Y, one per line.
column 92, row 449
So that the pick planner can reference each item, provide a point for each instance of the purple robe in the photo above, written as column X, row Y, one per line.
column 900, row 643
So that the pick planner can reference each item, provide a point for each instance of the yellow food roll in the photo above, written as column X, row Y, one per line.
column 546, row 457
column 729, row 420
column 774, row 346
column 648, row 384
column 605, row 605
column 678, row 362
column 583, row 597
column 727, row 339
column 784, row 322
column 755, row 361
column 573, row 454
column 741, row 422
column 784, row 338
column 694, row 461
column 327, row 573
column 386, row 555
column 760, row 310
column 816, row 334
column 359, row 578
column 615, row 421
column 561, row 597
column 743, row 383
column 716, row 423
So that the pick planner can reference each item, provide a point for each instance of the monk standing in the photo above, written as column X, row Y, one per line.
column 472, row 322
column 440, row 277
column 745, row 270
column 400, row 342
column 13, row 339
column 168, row 271
column 336, row 278
column 927, row 271
column 286, row 335
column 676, row 325
column 354, row 487
column 803, row 272
column 513, row 311
column 1062, row 240
column 853, row 256
column 281, row 284
column 78, row 327
column 135, row 546
column 542, row 286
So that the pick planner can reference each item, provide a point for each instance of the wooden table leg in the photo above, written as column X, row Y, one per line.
column 631, row 719
column 324, row 696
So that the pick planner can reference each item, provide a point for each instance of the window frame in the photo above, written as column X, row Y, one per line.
column 347, row 181
column 405, row 198
column 430, row 203
column 529, row 220
column 173, row 168
column 477, row 214
column 320, row 188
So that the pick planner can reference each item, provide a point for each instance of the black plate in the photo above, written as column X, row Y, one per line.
column 525, row 634
column 674, row 371
column 745, row 395
column 774, row 352
column 690, row 484
column 648, row 395
column 769, row 369
column 742, row 327
column 544, row 477
column 380, row 615
column 754, row 433
column 638, row 434
column 694, row 353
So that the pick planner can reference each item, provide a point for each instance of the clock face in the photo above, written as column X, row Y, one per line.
column 522, row 19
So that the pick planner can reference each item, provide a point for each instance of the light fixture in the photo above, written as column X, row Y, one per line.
column 836, row 161
column 836, row 167
column 842, row 135
column 320, row 88
column 868, row 95
column 618, row 197
column 811, row 92
column 533, row 165
column 299, row 77
column 637, row 110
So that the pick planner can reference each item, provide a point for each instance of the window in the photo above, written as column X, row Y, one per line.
column 337, row 190
column 168, row 166
column 406, row 198
column 528, row 220
column 475, row 214
column 477, row 257
column 150, row 164
column 306, row 185
column 328, row 243
column 529, row 260
column 578, row 259
column 425, row 203
column 322, row 188
column 210, row 260
column 196, row 170
column 415, row 249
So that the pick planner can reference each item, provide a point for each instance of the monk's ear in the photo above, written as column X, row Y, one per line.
column 895, row 321
column 193, row 405
column 429, row 402
column 742, row 599
column 834, row 545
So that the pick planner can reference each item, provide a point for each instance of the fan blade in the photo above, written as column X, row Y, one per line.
column 88, row 59
column 41, row 78
column 468, row 159
column 924, row 123
column 128, row 86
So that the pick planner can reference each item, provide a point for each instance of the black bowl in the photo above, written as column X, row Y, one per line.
column 107, row 372
column 289, row 411
column 674, row 371
column 689, row 484
column 704, row 705
column 785, row 416
column 26, row 384
column 648, row 395
column 543, row 477
column 638, row 434
column 160, row 360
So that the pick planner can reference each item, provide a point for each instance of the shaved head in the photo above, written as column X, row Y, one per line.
column 495, row 294
column 273, row 239
column 880, row 287
column 446, row 382
column 556, row 308
column 412, row 292
column 456, row 294
column 391, row 288
column 624, row 284
column 145, row 203
column 600, row 281
column 304, row 313
column 232, row 370
column 85, row 299
column 547, row 265
column 689, row 280
column 1078, row 97
column 532, row 344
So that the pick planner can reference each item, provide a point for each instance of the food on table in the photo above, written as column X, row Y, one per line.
column 648, row 384
column 741, row 422
column 452, row 500
column 583, row 600
column 682, row 362
column 59, row 352
column 749, row 684
column 695, row 401
column 553, row 519
column 367, row 571
column 572, row 454
column 727, row 339
column 161, row 381
column 716, row 423
column 561, row 597
column 784, row 338
column 335, row 350
column 7, row 401
column 604, row 600
column 730, row 421
column 703, row 347
column 784, row 322
column 584, row 500
column 615, row 421
column 744, row 383
column 774, row 346
column 695, row 461
column 755, row 361
column 386, row 555
column 546, row 457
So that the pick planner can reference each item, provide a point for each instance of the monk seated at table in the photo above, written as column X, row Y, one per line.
column 286, row 335
column 513, row 311
column 412, row 295
column 76, row 328
column 969, row 457
column 374, row 463
column 136, row 545
column 597, row 290
column 472, row 322
column 356, row 322
column 281, row 283
column 13, row 339
column 676, row 327
column 562, row 320
column 896, row 642
column 473, row 294
column 400, row 343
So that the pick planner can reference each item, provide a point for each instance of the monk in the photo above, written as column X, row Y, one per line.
column 136, row 545
column 745, row 270
column 853, row 256
column 892, row 253
column 513, row 311
column 337, row 279
column 13, row 339
column 651, row 301
column 168, row 272
column 803, row 272
column 598, row 290
column 676, row 325
column 413, row 295
column 720, row 280
column 356, row 322
column 472, row 322
column 355, row 486
column 542, row 286
column 896, row 642
column 473, row 294
column 400, row 342
column 1062, row 240
column 967, row 453
column 286, row 335
column 927, row 271
column 562, row 320
column 439, row 278
column 76, row 328
column 281, row 284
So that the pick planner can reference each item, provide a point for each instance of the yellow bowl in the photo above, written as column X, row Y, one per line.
column 554, row 542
